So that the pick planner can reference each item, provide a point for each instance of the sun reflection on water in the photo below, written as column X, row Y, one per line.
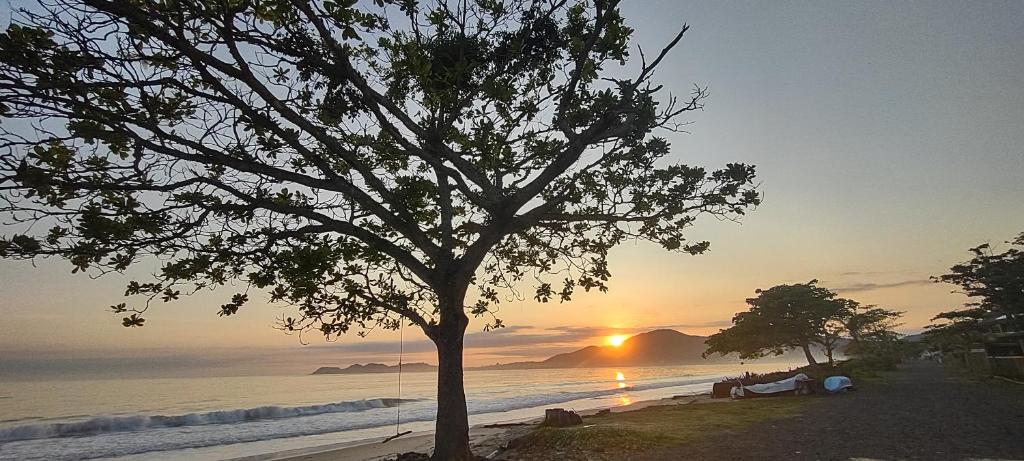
column 621, row 378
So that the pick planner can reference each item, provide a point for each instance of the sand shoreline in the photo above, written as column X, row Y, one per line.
column 486, row 440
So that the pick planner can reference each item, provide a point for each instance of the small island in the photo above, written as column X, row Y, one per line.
column 375, row 368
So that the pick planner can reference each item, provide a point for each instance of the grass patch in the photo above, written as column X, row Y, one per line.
column 616, row 435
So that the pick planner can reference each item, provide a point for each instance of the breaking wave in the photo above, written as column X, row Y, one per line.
column 128, row 435
column 108, row 424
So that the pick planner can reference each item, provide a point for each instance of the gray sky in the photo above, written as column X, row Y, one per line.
column 889, row 139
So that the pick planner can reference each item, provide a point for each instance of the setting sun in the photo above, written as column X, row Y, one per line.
column 616, row 340
column 485, row 212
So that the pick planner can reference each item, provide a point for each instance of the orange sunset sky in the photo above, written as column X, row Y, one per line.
column 887, row 138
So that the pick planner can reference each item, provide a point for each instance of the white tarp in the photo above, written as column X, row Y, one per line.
column 786, row 385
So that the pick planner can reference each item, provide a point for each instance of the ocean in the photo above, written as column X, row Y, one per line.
column 228, row 417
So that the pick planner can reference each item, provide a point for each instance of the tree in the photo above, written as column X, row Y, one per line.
column 956, row 330
column 782, row 318
column 868, row 323
column 995, row 281
column 872, row 334
column 800, row 316
column 369, row 165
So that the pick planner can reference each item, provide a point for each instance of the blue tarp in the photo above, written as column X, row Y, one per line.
column 837, row 383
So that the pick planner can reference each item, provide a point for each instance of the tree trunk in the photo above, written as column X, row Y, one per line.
column 809, row 355
column 451, row 436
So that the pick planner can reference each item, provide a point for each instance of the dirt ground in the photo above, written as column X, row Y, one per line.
column 920, row 412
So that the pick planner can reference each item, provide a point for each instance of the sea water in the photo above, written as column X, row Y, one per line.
column 227, row 417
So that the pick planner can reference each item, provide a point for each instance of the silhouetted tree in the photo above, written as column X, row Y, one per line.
column 870, row 322
column 872, row 334
column 369, row 165
column 782, row 318
column 994, row 281
column 956, row 330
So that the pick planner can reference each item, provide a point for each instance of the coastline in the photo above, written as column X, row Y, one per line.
column 261, row 422
column 485, row 439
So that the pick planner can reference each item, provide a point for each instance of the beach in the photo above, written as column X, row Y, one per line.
column 918, row 412
column 921, row 411
column 486, row 440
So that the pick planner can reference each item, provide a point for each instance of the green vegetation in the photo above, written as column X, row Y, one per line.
column 615, row 436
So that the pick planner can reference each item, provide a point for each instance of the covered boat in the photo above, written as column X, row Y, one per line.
column 797, row 384
column 835, row 384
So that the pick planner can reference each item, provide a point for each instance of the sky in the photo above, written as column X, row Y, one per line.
column 888, row 137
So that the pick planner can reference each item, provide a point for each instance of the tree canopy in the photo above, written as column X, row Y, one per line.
column 364, row 163
column 956, row 330
column 781, row 318
column 868, row 322
column 994, row 282
column 872, row 333
column 348, row 161
column 800, row 316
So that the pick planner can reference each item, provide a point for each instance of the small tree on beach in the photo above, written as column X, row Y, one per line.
column 782, row 318
column 372, row 165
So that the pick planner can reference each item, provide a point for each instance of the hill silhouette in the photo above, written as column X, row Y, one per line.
column 657, row 347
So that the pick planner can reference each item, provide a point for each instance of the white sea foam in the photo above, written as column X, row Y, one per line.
column 107, row 424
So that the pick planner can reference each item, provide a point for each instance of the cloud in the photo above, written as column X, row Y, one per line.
column 871, row 273
column 585, row 332
column 709, row 324
column 522, row 353
column 879, row 286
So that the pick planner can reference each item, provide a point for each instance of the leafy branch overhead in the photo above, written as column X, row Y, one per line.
column 359, row 162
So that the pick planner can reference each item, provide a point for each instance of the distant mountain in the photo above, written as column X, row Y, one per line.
column 375, row 368
column 658, row 347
